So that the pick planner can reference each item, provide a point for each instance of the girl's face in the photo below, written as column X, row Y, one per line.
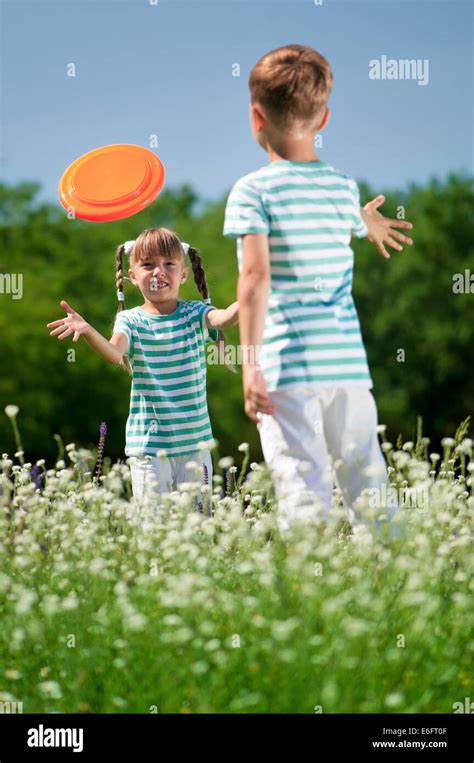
column 159, row 277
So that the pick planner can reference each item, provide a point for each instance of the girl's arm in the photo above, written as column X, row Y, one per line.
column 112, row 351
column 75, row 324
column 223, row 319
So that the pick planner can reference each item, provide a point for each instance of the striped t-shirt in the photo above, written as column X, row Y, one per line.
column 168, row 403
column 309, row 211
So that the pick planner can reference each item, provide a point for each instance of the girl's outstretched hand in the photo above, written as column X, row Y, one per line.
column 72, row 323
column 382, row 229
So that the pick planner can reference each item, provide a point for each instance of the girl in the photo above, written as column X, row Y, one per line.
column 161, row 344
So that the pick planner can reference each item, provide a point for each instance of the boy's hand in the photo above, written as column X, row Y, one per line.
column 72, row 323
column 381, row 229
column 256, row 397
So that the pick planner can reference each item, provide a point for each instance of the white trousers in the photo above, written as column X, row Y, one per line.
column 151, row 478
column 314, row 438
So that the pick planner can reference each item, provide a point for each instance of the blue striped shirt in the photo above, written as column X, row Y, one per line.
column 309, row 210
column 168, row 403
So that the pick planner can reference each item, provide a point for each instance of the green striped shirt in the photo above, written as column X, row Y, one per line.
column 309, row 210
column 168, row 403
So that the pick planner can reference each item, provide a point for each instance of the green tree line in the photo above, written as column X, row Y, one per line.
column 416, row 327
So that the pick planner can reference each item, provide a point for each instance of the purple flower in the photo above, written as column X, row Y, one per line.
column 36, row 476
column 103, row 429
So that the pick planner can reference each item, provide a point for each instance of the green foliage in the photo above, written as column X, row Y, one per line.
column 406, row 302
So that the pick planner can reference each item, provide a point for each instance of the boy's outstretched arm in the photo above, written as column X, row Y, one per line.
column 252, row 295
column 382, row 229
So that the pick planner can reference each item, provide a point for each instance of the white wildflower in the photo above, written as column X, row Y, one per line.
column 50, row 689
column 448, row 442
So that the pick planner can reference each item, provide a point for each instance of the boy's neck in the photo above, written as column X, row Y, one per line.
column 292, row 155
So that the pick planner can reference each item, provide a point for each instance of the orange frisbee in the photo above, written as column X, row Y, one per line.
column 111, row 182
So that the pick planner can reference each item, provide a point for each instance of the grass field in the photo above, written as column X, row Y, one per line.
column 108, row 607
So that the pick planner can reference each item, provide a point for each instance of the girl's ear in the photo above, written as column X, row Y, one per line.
column 132, row 277
column 184, row 275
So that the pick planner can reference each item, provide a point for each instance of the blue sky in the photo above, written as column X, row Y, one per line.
column 166, row 69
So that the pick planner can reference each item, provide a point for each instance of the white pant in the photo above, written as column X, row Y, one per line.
column 328, row 428
column 152, row 477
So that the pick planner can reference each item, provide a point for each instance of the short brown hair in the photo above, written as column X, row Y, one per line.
column 292, row 84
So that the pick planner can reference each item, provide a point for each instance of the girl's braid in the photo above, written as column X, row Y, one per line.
column 201, row 283
column 119, row 252
column 119, row 279
column 198, row 272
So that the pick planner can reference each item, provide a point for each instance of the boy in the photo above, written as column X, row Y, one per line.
column 305, row 375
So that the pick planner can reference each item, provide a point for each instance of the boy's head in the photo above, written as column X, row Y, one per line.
column 289, row 90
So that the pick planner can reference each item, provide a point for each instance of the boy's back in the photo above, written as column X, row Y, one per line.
column 294, row 219
column 309, row 211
